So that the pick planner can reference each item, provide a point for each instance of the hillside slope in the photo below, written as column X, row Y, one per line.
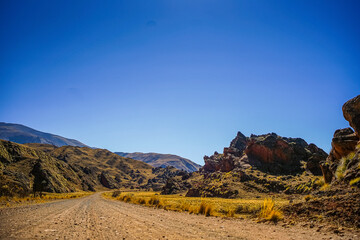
column 163, row 160
column 21, row 134
column 34, row 166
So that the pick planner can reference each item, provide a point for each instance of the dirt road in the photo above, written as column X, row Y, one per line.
column 93, row 217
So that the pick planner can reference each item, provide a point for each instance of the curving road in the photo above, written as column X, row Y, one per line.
column 93, row 217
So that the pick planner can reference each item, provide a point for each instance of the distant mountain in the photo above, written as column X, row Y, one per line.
column 163, row 160
column 21, row 134
column 34, row 166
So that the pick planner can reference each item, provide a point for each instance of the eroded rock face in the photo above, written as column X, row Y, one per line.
column 351, row 112
column 343, row 143
column 268, row 152
column 107, row 181
column 239, row 142
column 281, row 155
column 218, row 162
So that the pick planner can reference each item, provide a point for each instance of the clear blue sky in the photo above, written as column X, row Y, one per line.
column 178, row 77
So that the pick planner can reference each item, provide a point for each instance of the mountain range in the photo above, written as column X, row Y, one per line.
column 22, row 134
column 163, row 160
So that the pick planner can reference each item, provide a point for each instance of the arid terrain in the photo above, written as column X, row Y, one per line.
column 94, row 217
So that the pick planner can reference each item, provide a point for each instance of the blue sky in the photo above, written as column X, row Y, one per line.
column 178, row 77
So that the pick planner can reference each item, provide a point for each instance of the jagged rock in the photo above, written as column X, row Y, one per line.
column 239, row 142
column 193, row 192
column 268, row 152
column 107, row 181
column 343, row 143
column 173, row 187
column 351, row 112
column 327, row 173
column 218, row 162
column 318, row 156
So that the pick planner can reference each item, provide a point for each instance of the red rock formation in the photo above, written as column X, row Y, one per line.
column 351, row 112
column 268, row 152
column 343, row 143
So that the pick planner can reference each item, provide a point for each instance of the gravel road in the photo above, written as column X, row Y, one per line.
column 93, row 217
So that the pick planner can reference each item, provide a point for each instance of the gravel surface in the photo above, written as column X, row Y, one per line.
column 93, row 217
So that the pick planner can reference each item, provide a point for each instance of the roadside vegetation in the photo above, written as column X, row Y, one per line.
column 6, row 201
column 266, row 210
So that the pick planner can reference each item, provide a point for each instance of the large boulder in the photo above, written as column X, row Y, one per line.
column 351, row 112
column 343, row 143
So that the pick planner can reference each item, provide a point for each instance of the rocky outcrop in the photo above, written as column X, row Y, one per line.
column 269, row 153
column 219, row 162
column 277, row 154
column 173, row 186
column 344, row 146
column 343, row 143
column 107, row 181
column 351, row 112
column 25, row 169
column 239, row 142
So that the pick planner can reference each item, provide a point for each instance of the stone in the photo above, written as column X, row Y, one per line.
column 351, row 112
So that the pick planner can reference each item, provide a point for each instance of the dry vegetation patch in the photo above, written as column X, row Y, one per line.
column 6, row 201
column 206, row 206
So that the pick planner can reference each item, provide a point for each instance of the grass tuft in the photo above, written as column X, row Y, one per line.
column 340, row 171
column 268, row 211
column 205, row 209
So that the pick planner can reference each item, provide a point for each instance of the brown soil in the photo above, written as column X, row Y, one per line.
column 93, row 217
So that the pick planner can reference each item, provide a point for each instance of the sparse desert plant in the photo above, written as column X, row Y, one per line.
column 229, row 212
column 205, row 209
column 320, row 182
column 127, row 198
column 116, row 193
column 325, row 187
column 141, row 201
column 269, row 212
column 308, row 197
column 241, row 209
column 195, row 205
column 340, row 171
column 154, row 201
column 354, row 181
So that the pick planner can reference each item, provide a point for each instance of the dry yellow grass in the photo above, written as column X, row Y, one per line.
column 14, row 201
column 269, row 212
column 196, row 205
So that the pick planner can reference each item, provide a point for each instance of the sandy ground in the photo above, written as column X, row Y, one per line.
column 93, row 217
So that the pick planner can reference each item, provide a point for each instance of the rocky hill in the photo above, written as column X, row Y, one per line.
column 22, row 134
column 25, row 168
column 257, row 164
column 163, row 160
